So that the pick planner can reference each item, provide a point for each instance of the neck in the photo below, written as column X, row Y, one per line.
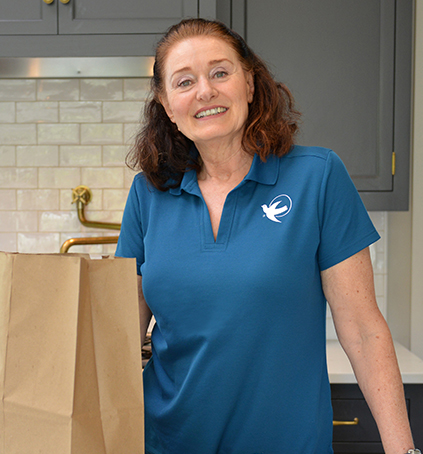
column 224, row 165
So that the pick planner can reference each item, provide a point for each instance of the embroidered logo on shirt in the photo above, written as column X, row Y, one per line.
column 279, row 207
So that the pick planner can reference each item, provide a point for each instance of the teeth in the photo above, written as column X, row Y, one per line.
column 207, row 113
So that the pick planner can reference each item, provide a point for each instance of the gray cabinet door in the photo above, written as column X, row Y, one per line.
column 123, row 16
column 342, row 62
column 28, row 17
column 92, row 28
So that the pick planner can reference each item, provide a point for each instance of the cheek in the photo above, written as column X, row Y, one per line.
column 179, row 107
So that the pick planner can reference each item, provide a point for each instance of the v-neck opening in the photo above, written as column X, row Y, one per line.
column 225, row 223
column 259, row 173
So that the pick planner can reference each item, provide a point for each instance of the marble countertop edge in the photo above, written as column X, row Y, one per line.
column 340, row 370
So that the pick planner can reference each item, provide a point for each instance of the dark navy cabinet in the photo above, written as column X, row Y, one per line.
column 348, row 405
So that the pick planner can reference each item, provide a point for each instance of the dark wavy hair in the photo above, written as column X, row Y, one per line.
column 164, row 154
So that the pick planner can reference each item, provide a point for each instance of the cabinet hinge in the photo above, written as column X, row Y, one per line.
column 393, row 163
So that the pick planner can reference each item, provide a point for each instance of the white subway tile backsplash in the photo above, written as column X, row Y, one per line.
column 99, row 177
column 115, row 199
column 136, row 89
column 37, row 112
column 14, row 134
column 65, row 200
column 121, row 112
column 17, row 89
column 32, row 243
column 80, row 112
column 7, row 199
column 7, row 112
column 8, row 242
column 58, row 221
column 38, row 199
column 58, row 178
column 58, row 134
column 37, row 156
column 80, row 155
column 98, row 134
column 101, row 89
column 7, row 155
column 96, row 202
column 114, row 155
column 58, row 90
column 18, row 177
column 18, row 221
column 54, row 139
column 130, row 132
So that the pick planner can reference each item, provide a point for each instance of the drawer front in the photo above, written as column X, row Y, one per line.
column 348, row 409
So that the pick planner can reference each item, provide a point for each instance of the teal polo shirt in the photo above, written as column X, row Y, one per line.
column 239, row 362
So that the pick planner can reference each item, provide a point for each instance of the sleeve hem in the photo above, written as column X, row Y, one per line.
column 349, row 251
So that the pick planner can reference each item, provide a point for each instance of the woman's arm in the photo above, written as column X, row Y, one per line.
column 145, row 313
column 366, row 339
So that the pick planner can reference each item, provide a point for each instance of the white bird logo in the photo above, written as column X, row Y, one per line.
column 273, row 211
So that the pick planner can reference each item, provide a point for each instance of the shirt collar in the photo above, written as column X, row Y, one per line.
column 261, row 172
column 264, row 172
column 188, row 184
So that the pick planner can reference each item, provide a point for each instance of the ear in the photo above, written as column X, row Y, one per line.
column 164, row 102
column 250, row 85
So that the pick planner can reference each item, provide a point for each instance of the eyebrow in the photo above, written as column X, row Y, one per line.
column 211, row 63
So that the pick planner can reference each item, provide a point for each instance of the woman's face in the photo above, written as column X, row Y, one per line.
column 207, row 91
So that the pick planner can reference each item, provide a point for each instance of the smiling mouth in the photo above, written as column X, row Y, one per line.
column 209, row 112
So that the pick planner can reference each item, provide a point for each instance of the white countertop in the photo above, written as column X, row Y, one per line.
column 340, row 371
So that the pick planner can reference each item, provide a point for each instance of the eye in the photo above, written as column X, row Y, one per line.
column 184, row 83
column 220, row 74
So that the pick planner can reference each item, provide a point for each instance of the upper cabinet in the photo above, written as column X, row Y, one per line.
column 28, row 17
column 348, row 64
column 65, row 28
column 68, row 17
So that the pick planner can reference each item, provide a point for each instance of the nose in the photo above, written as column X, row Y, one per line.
column 205, row 89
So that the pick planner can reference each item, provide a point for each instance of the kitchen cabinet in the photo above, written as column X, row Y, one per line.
column 349, row 66
column 28, row 17
column 79, row 28
column 348, row 403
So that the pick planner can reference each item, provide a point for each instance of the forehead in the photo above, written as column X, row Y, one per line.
column 206, row 48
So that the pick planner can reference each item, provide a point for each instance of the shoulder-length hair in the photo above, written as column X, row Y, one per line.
column 164, row 154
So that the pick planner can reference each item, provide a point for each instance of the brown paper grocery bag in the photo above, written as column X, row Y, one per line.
column 70, row 356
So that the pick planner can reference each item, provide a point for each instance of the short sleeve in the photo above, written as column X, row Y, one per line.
column 131, row 238
column 345, row 226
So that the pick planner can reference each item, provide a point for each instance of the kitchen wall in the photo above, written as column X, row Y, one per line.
column 56, row 134
column 405, row 270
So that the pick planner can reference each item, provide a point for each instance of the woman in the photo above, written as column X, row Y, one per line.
column 240, row 238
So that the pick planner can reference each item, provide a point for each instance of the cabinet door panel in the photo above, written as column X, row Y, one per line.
column 123, row 16
column 28, row 17
column 338, row 59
